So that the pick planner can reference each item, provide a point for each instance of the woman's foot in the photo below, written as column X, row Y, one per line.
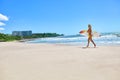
column 87, row 46
column 94, row 46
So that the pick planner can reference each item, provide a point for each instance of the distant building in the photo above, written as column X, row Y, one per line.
column 22, row 33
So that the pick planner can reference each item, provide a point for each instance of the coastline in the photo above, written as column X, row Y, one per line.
column 24, row 61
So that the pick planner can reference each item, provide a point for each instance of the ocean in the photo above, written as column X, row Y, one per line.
column 112, row 38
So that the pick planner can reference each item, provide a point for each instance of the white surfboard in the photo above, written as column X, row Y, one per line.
column 94, row 33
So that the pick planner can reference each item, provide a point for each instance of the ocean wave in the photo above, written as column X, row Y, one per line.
column 117, row 34
column 108, row 36
column 103, row 39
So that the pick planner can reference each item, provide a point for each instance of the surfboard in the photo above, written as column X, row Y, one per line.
column 94, row 33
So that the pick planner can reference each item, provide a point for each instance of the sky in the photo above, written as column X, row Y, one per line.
column 59, row 16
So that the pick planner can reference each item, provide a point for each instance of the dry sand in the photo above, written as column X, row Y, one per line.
column 22, row 61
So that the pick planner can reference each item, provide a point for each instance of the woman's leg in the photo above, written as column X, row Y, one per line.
column 88, row 42
column 93, row 43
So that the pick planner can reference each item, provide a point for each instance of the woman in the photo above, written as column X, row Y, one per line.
column 89, row 31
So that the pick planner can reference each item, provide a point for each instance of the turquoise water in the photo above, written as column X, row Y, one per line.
column 105, row 39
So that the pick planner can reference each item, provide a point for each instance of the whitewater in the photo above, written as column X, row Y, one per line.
column 104, row 39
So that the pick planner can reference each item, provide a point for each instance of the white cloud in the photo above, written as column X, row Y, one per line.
column 3, row 17
column 2, row 24
column 2, row 29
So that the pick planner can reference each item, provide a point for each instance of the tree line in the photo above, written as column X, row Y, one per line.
column 8, row 37
column 43, row 35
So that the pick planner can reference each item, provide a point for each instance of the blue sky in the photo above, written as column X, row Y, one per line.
column 60, row 16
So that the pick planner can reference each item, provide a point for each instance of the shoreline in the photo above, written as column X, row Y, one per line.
column 58, row 44
column 73, row 44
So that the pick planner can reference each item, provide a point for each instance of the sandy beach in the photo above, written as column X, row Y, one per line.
column 23, row 61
